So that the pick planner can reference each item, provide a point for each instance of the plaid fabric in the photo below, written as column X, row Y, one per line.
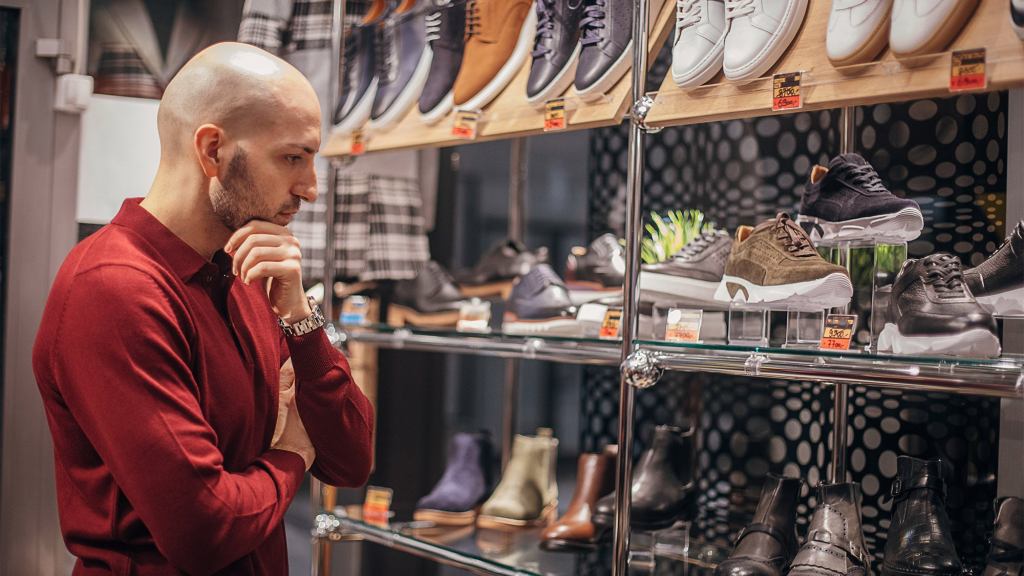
column 379, row 228
column 121, row 72
column 282, row 26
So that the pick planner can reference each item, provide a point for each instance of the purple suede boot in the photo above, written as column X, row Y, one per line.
column 467, row 481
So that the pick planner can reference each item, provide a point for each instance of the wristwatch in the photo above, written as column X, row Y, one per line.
column 312, row 322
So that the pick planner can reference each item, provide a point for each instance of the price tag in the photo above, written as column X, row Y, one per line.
column 554, row 115
column 358, row 147
column 474, row 316
column 465, row 123
column 377, row 505
column 610, row 325
column 354, row 310
column 683, row 325
column 838, row 331
column 786, row 91
column 967, row 70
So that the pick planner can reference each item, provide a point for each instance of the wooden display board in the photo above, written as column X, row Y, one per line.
column 509, row 115
column 888, row 79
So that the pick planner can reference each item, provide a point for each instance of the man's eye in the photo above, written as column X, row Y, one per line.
column 293, row 159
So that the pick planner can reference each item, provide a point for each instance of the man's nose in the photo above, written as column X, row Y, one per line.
column 307, row 190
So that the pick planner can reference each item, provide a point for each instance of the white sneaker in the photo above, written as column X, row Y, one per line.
column 700, row 41
column 1017, row 17
column 759, row 31
column 857, row 30
column 927, row 26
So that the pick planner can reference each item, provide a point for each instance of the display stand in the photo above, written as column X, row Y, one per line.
column 804, row 329
column 747, row 326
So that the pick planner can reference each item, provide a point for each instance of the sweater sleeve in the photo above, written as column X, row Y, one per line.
column 336, row 414
column 122, row 363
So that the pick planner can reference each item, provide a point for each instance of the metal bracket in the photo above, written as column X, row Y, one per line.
column 638, row 116
column 642, row 369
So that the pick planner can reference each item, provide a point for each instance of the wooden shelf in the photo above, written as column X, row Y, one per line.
column 886, row 80
column 509, row 115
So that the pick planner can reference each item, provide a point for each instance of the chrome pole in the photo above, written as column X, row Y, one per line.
column 516, row 231
column 630, row 300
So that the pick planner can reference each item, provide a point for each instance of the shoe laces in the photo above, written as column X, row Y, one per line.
column 386, row 51
column 793, row 237
column 688, row 13
column 592, row 25
column 698, row 245
column 349, row 54
column 865, row 177
column 545, row 27
column 473, row 20
column 737, row 8
column 433, row 22
column 944, row 273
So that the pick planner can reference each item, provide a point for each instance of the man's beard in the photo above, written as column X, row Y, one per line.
column 235, row 198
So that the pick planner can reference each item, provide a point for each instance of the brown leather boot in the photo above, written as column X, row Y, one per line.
column 574, row 531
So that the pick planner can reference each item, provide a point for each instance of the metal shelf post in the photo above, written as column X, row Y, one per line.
column 516, row 231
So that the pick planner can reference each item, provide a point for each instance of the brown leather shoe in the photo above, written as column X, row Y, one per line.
column 499, row 35
column 574, row 531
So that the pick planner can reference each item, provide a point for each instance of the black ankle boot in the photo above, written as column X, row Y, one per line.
column 835, row 542
column 663, row 486
column 768, row 543
column 920, row 539
column 1007, row 552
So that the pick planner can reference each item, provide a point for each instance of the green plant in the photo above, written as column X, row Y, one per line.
column 667, row 234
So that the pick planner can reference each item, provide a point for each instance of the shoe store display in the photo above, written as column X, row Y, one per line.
column 540, row 304
column 1006, row 546
column 857, row 30
column 403, row 61
column 927, row 26
column 574, row 531
column 698, row 49
column 358, row 77
column 494, row 274
column 920, row 541
column 758, row 33
column 998, row 282
column 775, row 265
column 847, row 201
column 499, row 34
column 692, row 275
column 596, row 271
column 1017, row 17
column 767, row 545
column 556, row 49
column 445, row 35
column 931, row 311
column 467, row 481
column 431, row 299
column 527, row 494
column 835, row 540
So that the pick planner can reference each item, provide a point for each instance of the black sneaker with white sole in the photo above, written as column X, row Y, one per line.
column 692, row 275
column 606, row 42
column 556, row 48
column 998, row 282
column 1017, row 17
column 931, row 311
column 446, row 29
column 847, row 201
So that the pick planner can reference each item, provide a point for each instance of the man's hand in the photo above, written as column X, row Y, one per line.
column 286, row 394
column 289, row 433
column 262, row 250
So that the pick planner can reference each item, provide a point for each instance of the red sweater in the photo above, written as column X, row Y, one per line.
column 159, row 375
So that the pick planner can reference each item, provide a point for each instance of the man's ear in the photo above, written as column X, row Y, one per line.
column 209, row 142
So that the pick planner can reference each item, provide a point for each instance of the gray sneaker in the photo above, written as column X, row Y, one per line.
column 358, row 79
column 556, row 49
column 606, row 38
column 446, row 29
column 691, row 275
column 540, row 304
column 403, row 61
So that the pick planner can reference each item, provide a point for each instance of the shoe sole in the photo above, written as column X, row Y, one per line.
column 399, row 316
column 689, row 289
column 584, row 295
column 902, row 226
column 709, row 67
column 437, row 113
column 1008, row 303
column 568, row 327
column 871, row 48
column 407, row 97
column 547, row 516
column 888, row 571
column 832, row 291
column 360, row 113
column 945, row 33
column 613, row 74
column 509, row 70
column 489, row 290
column 563, row 545
column 976, row 342
column 776, row 47
column 444, row 518
column 559, row 84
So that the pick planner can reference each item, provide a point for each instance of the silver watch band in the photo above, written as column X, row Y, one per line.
column 305, row 326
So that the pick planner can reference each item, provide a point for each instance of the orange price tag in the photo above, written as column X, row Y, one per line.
column 358, row 147
column 786, row 91
column 554, row 115
column 611, row 323
column 838, row 331
column 377, row 505
column 683, row 325
column 967, row 70
column 465, row 123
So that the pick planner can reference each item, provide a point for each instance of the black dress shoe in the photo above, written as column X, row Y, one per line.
column 499, row 266
column 920, row 539
column 1006, row 554
column 835, row 542
column 663, row 486
column 768, row 543
column 603, row 517
column 430, row 299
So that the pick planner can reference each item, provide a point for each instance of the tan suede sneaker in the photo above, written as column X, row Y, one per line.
column 775, row 264
column 499, row 35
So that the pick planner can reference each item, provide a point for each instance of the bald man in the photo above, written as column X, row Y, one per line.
column 187, row 381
